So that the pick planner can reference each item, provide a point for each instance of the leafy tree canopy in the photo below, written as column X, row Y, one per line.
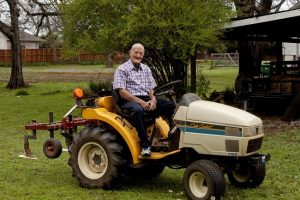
column 101, row 25
column 171, row 30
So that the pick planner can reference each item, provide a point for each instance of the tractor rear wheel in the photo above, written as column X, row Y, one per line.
column 247, row 176
column 95, row 158
column 203, row 180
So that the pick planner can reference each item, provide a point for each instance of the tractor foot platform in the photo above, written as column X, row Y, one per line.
column 158, row 155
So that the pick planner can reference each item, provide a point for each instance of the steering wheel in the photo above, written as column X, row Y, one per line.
column 167, row 89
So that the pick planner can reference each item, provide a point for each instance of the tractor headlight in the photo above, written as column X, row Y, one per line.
column 260, row 130
column 250, row 131
column 233, row 131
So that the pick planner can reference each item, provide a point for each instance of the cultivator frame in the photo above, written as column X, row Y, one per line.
column 67, row 126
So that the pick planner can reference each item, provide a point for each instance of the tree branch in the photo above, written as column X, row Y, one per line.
column 45, row 14
column 5, row 29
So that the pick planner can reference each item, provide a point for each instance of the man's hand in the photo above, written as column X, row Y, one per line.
column 145, row 105
column 152, row 104
column 149, row 105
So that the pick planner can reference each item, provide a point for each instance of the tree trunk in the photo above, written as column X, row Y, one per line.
column 193, row 72
column 110, row 60
column 16, row 76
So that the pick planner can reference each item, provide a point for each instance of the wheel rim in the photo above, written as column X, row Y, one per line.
column 92, row 160
column 49, row 148
column 198, row 184
column 241, row 176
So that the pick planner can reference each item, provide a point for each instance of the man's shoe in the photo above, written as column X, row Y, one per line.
column 146, row 151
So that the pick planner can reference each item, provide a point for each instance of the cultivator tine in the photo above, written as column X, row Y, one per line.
column 27, row 150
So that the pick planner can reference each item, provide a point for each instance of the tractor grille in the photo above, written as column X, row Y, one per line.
column 232, row 145
column 254, row 145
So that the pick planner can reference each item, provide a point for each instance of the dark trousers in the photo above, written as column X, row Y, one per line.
column 164, row 108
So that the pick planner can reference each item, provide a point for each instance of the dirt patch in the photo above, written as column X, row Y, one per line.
column 35, row 77
column 274, row 124
column 67, row 77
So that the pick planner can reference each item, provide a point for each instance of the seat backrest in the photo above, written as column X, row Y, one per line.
column 117, row 99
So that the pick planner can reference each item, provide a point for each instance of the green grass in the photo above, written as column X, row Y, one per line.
column 221, row 77
column 51, row 179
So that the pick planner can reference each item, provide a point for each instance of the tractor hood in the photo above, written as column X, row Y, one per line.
column 196, row 110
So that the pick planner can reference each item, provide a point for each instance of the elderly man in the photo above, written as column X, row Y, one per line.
column 135, row 84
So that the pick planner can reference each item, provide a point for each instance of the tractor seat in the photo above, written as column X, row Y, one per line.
column 149, row 117
column 118, row 101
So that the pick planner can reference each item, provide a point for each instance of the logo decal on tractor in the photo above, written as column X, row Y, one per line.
column 194, row 127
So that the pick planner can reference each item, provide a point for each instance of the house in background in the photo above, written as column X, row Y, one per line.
column 27, row 40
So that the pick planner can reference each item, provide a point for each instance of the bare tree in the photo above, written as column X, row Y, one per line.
column 12, row 33
column 39, row 16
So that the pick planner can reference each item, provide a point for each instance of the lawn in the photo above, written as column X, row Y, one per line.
column 51, row 179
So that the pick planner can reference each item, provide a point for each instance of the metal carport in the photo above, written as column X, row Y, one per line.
column 275, row 27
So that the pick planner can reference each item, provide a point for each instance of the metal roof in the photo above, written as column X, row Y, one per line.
column 26, row 37
column 281, row 27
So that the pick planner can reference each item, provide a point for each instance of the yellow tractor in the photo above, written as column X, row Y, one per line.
column 209, row 140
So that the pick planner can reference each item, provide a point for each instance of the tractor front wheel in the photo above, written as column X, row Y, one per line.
column 203, row 180
column 95, row 158
column 246, row 176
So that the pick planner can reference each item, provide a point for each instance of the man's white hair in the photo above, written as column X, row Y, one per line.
column 137, row 46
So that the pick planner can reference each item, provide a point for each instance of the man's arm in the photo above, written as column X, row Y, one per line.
column 151, row 95
column 152, row 101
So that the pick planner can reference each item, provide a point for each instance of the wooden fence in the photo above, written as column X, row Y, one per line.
column 224, row 59
column 54, row 56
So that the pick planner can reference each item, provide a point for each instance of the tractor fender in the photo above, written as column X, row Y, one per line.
column 162, row 126
column 122, row 126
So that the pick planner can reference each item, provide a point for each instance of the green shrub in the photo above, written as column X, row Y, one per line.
column 202, row 86
column 4, row 64
column 22, row 93
column 96, row 87
column 50, row 92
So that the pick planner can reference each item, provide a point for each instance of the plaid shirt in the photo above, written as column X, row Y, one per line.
column 138, row 81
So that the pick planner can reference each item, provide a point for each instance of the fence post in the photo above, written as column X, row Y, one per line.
column 25, row 57
column 54, row 55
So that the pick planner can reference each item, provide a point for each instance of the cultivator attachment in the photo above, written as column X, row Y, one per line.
column 52, row 147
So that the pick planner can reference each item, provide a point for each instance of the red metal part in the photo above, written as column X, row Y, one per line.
column 64, row 124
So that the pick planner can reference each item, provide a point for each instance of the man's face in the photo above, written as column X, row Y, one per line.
column 136, row 55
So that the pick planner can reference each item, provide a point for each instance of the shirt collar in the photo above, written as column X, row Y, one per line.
column 132, row 67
